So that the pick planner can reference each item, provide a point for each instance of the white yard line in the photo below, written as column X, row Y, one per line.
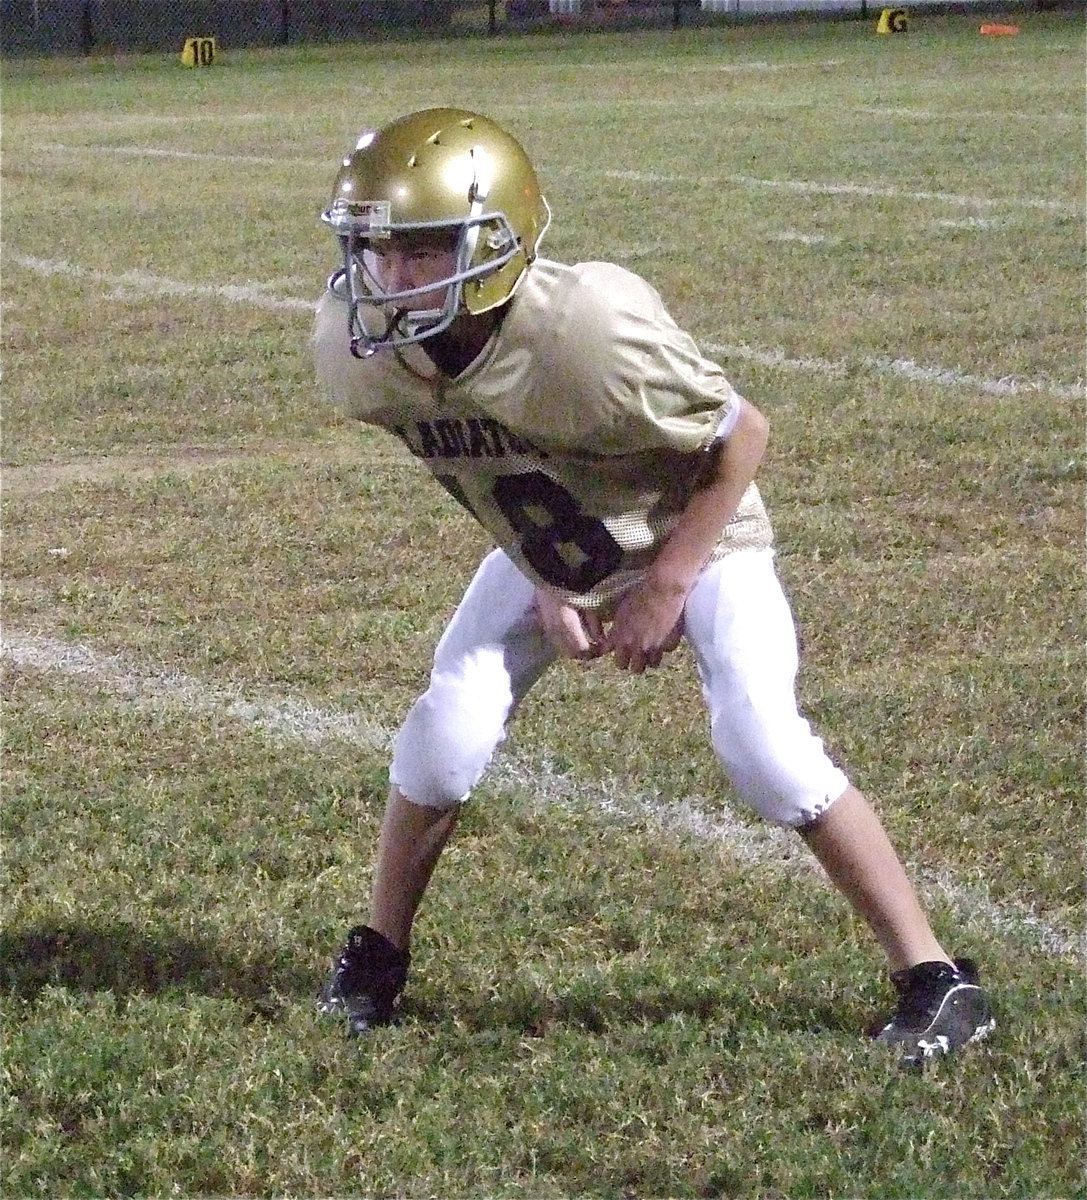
column 142, row 283
column 904, row 113
column 804, row 239
column 862, row 190
column 903, row 368
column 805, row 186
column 259, row 160
column 681, row 100
column 980, row 223
column 97, row 123
column 291, row 719
column 758, row 845
column 637, row 68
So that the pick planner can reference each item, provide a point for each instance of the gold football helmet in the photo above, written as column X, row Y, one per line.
column 441, row 169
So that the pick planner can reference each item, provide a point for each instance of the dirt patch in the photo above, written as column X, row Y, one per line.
column 35, row 478
column 43, row 477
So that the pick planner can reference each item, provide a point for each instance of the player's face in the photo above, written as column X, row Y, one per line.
column 405, row 262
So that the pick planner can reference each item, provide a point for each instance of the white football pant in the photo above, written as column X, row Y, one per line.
column 740, row 628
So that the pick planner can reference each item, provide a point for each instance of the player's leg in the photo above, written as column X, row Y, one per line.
column 489, row 656
column 412, row 839
column 741, row 630
column 853, row 848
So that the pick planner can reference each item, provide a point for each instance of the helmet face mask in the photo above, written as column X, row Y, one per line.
column 435, row 172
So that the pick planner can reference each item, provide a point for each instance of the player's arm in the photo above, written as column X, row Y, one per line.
column 648, row 621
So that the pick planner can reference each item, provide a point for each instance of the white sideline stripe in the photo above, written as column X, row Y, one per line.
column 151, row 118
column 903, row 368
column 651, row 66
column 969, row 223
column 137, row 283
column 753, row 846
column 144, row 284
column 751, row 181
column 804, row 239
column 926, row 114
column 288, row 718
column 262, row 160
column 865, row 191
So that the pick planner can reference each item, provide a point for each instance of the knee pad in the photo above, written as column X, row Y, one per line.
column 784, row 773
column 447, row 740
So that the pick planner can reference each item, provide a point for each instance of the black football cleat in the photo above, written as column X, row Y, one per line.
column 941, row 1008
column 367, row 978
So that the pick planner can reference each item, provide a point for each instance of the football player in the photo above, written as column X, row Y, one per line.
column 613, row 465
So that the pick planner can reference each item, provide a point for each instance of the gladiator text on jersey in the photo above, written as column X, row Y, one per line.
column 470, row 437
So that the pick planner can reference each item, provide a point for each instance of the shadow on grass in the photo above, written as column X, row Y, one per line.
column 599, row 1008
column 127, row 960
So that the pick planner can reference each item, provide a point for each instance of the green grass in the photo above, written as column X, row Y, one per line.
column 606, row 1002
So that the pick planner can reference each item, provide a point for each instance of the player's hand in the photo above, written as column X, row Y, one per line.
column 575, row 634
column 647, row 625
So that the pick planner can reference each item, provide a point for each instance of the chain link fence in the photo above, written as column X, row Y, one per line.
column 83, row 27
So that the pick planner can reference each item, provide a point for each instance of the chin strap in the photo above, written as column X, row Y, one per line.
column 374, row 343
column 370, row 350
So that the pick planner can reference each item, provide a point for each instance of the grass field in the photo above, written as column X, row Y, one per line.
column 220, row 602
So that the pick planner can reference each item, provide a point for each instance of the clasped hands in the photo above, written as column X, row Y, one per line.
column 645, row 626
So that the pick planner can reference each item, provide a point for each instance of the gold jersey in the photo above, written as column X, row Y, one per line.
column 576, row 437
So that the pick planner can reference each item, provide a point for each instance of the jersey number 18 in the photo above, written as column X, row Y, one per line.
column 565, row 546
